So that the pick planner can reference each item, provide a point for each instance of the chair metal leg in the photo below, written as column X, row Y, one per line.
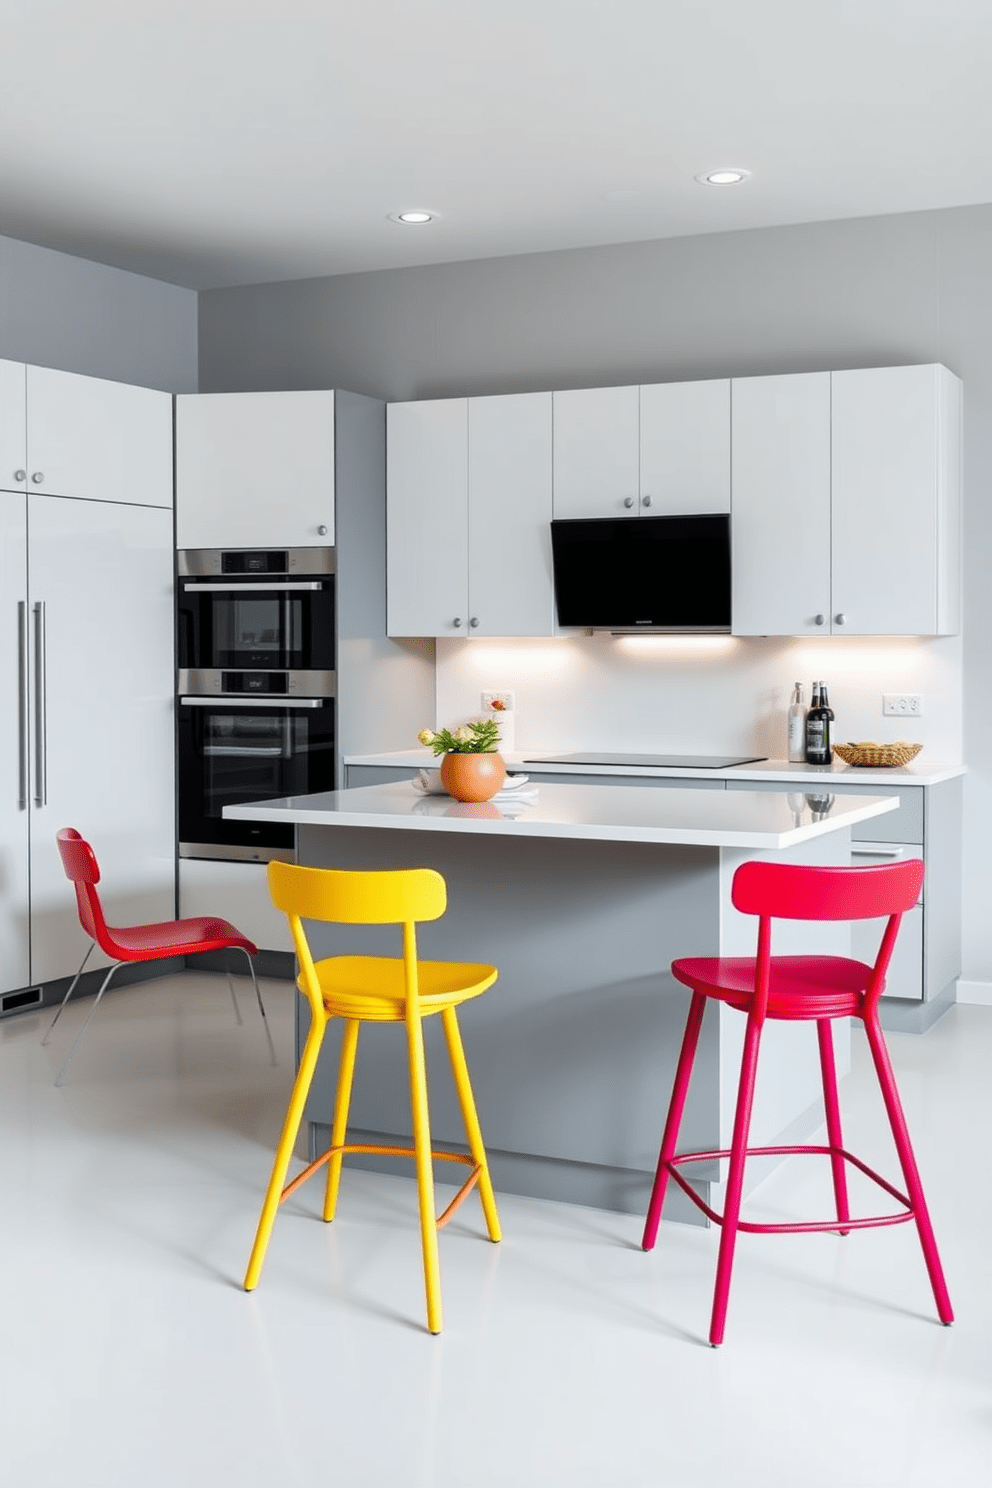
column 831, row 1106
column 911, row 1173
column 466, row 1100
column 72, row 988
column 261, row 1006
column 284, row 1151
column 342, row 1101
column 676, row 1106
column 425, row 1170
column 61, row 1074
column 735, row 1181
column 234, row 1000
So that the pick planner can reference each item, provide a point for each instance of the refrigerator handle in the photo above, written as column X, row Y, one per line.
column 22, row 704
column 40, row 706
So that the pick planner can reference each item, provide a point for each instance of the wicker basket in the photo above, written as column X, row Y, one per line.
column 871, row 755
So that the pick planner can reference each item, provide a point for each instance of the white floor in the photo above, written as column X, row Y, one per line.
column 131, row 1356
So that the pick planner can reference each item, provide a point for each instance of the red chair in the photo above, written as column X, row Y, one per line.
column 799, row 988
column 137, row 942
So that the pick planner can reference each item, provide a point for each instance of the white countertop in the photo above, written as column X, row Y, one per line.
column 918, row 772
column 613, row 813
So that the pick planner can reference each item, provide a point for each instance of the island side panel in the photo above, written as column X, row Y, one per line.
column 572, row 1052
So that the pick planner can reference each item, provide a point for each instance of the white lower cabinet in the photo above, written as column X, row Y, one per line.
column 239, row 892
column 90, row 687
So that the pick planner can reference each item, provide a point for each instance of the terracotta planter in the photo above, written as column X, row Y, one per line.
column 472, row 777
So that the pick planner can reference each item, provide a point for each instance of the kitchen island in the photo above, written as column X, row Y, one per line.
column 581, row 898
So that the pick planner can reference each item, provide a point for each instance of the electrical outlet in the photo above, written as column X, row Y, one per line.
column 506, row 698
column 902, row 704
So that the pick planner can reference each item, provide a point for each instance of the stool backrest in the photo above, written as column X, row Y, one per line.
column 345, row 897
column 83, row 871
column 790, row 891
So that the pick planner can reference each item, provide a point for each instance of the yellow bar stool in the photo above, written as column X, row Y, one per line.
column 377, row 989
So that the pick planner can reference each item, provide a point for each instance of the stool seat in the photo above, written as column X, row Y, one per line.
column 800, row 987
column 373, row 988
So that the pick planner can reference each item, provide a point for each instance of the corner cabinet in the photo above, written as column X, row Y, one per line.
column 468, row 517
column 255, row 470
column 846, row 503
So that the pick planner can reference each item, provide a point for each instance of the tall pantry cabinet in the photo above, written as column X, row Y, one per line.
column 86, row 661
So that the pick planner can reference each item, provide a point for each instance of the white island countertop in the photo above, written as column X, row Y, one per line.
column 830, row 777
column 754, row 820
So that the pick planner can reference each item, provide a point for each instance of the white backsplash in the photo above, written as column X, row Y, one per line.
column 701, row 694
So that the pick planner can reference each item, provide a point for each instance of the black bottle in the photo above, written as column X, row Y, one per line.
column 819, row 728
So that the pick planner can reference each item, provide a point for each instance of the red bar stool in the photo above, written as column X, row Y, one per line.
column 138, row 942
column 799, row 988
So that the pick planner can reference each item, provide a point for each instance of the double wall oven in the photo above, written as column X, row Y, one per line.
column 256, row 692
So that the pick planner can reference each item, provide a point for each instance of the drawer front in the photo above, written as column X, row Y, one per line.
column 905, row 978
column 905, row 824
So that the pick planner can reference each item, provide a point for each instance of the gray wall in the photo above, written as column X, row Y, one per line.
column 64, row 312
column 871, row 292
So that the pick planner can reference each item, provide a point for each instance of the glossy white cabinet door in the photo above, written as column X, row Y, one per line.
column 13, row 429
column 685, row 447
column 894, row 547
column 98, row 440
column 427, row 518
column 15, row 969
column 102, row 686
column 255, row 470
column 781, row 504
column 510, row 588
column 596, row 461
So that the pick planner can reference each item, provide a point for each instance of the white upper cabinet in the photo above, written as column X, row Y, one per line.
column 781, row 505
column 685, row 448
column 846, row 503
column 510, row 584
column 895, row 510
column 255, row 470
column 427, row 518
column 468, row 517
column 596, row 458
column 62, row 434
column 13, row 427
column 98, row 440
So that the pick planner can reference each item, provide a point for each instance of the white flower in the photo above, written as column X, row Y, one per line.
column 426, row 736
column 463, row 734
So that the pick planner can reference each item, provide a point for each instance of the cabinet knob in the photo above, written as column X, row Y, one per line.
column 322, row 530
column 474, row 622
column 628, row 501
column 645, row 500
column 819, row 619
column 457, row 621
column 840, row 619
column 20, row 475
column 38, row 476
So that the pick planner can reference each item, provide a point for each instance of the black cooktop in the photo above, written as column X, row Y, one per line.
column 657, row 761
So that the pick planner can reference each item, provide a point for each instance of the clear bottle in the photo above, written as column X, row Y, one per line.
column 819, row 728
column 797, row 727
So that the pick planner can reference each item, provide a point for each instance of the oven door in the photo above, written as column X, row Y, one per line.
column 256, row 624
column 236, row 750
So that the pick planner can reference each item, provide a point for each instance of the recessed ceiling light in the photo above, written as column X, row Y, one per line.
column 411, row 217
column 728, row 176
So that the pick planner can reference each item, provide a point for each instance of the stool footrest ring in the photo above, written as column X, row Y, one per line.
column 800, row 1227
column 372, row 1147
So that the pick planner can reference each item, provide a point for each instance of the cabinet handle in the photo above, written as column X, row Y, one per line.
column 457, row 621
column 840, row 619
column 22, row 704
column 877, row 852
column 819, row 619
column 645, row 500
column 20, row 475
column 474, row 622
column 38, row 476
column 40, row 706
column 628, row 501
column 321, row 530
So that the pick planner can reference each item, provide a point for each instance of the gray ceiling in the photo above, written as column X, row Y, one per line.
column 220, row 142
